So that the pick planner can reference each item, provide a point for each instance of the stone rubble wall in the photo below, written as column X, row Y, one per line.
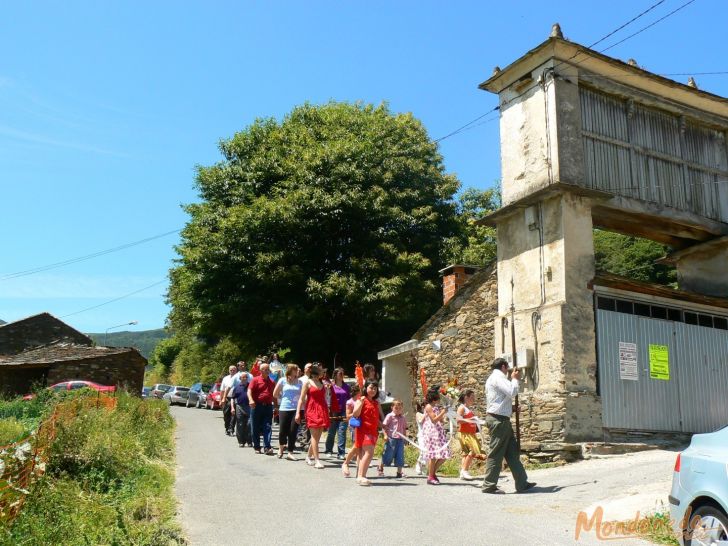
column 125, row 370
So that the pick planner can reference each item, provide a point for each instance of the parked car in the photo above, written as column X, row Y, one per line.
column 146, row 392
column 197, row 394
column 76, row 384
column 699, row 495
column 176, row 395
column 212, row 399
column 159, row 389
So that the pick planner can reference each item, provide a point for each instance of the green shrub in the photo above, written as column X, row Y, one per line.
column 109, row 480
column 11, row 430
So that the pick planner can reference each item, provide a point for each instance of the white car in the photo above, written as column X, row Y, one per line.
column 699, row 495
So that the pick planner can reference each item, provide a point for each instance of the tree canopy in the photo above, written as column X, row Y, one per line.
column 632, row 257
column 322, row 232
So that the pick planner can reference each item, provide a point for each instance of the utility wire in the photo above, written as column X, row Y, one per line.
column 458, row 130
column 686, row 4
column 115, row 299
column 83, row 258
column 600, row 40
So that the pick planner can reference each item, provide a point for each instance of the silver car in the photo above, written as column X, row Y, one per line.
column 176, row 395
column 699, row 495
column 197, row 395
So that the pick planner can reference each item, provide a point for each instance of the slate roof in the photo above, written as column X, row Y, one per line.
column 61, row 352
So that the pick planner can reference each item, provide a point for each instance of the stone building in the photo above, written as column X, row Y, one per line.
column 455, row 343
column 44, row 350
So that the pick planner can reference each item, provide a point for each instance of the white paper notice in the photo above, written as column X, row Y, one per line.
column 628, row 361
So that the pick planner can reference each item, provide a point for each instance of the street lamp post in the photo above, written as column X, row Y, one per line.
column 106, row 333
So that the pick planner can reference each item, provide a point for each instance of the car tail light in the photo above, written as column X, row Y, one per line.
column 677, row 463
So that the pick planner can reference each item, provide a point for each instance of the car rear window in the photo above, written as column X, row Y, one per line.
column 182, row 389
column 164, row 388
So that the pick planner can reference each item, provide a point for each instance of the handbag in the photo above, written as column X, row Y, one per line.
column 354, row 422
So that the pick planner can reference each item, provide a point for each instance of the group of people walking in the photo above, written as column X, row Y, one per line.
column 324, row 404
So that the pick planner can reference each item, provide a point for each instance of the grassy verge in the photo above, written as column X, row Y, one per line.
column 109, row 480
column 659, row 529
column 19, row 417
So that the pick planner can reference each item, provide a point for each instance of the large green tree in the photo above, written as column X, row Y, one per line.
column 322, row 232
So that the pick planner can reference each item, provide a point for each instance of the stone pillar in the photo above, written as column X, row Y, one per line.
column 550, row 258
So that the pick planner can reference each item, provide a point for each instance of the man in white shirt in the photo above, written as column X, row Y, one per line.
column 226, row 386
column 499, row 393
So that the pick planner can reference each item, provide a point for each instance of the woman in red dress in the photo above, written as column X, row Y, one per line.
column 365, row 437
column 317, row 413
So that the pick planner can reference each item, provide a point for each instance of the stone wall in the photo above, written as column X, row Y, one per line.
column 464, row 330
column 36, row 331
column 125, row 370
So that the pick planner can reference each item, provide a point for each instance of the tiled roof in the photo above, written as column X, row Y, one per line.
column 61, row 352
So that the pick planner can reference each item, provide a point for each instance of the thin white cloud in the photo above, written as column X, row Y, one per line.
column 42, row 139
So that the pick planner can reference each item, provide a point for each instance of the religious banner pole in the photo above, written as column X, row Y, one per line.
column 514, row 359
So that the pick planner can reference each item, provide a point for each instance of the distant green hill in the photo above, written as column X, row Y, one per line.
column 144, row 341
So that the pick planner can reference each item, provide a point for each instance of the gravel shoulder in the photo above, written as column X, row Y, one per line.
column 230, row 495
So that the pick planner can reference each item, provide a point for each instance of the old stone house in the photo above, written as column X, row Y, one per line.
column 454, row 343
column 42, row 349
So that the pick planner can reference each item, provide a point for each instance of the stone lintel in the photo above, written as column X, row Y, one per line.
column 676, row 228
column 541, row 194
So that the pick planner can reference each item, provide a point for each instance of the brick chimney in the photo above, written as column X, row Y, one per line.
column 453, row 278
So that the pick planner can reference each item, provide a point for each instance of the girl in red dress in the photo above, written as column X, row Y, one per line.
column 365, row 437
column 317, row 413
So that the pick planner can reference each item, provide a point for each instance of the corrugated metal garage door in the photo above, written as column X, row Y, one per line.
column 678, row 381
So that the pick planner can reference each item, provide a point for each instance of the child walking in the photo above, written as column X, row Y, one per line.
column 437, row 448
column 365, row 437
column 467, row 434
column 395, row 428
column 354, row 451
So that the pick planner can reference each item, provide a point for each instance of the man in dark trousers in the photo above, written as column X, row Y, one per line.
column 241, row 409
column 225, row 401
column 499, row 393
column 260, row 397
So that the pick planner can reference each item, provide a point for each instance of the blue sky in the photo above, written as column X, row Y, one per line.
column 108, row 106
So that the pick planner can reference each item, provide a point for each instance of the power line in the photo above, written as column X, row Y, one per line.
column 458, row 130
column 83, row 258
column 115, row 299
column 686, row 4
column 600, row 40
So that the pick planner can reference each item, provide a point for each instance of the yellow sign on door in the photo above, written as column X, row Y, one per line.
column 659, row 362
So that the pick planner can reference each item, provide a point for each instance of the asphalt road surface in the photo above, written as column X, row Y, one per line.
column 230, row 495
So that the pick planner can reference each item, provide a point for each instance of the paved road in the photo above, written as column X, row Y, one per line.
column 262, row 499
